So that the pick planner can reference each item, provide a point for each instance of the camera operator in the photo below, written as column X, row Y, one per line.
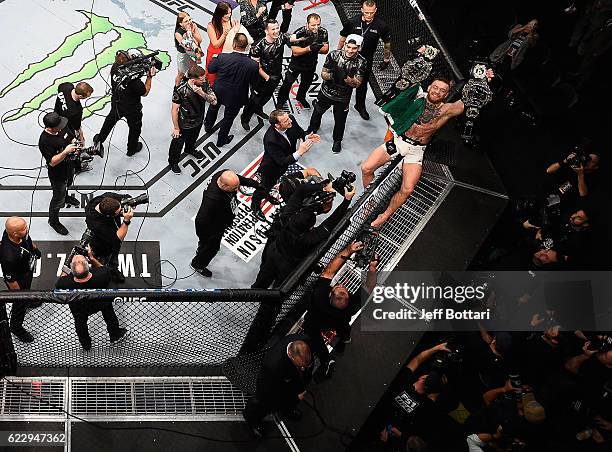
column 304, row 56
column 126, row 103
column 86, row 276
column 343, row 71
column 415, row 408
column 103, row 216
column 281, row 382
column 57, row 147
column 17, row 258
column 569, row 176
column 216, row 214
column 299, row 236
column 68, row 105
column 331, row 308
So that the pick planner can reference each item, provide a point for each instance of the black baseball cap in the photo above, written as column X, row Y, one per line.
column 54, row 121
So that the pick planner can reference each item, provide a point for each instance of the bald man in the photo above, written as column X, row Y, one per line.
column 215, row 215
column 17, row 258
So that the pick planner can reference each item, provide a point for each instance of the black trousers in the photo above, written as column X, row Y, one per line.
column 209, row 245
column 231, row 111
column 362, row 90
column 290, row 77
column 134, row 121
column 58, row 199
column 260, row 96
column 267, row 183
column 18, row 310
column 188, row 137
column 316, row 342
column 275, row 8
column 273, row 270
column 340, row 113
column 81, row 312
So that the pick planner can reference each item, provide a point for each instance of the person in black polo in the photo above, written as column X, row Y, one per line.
column 108, row 224
column 90, row 276
column 343, row 71
column 188, row 106
column 125, row 103
column 304, row 59
column 280, row 151
column 281, row 382
column 68, row 105
column 17, row 258
column 371, row 28
column 216, row 213
column 269, row 53
column 56, row 144
column 331, row 308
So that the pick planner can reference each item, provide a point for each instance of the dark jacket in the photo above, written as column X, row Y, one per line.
column 235, row 71
column 278, row 152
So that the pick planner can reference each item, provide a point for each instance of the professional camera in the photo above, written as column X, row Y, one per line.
column 137, row 66
column 84, row 155
column 369, row 237
column 344, row 181
column 580, row 158
column 448, row 361
column 601, row 344
column 126, row 203
column 80, row 249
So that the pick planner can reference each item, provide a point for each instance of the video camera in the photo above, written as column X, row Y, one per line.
column 444, row 361
column 137, row 66
column 78, row 249
column 369, row 237
column 580, row 158
column 601, row 344
column 84, row 155
column 126, row 203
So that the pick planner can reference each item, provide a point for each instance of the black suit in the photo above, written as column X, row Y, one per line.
column 235, row 72
column 278, row 155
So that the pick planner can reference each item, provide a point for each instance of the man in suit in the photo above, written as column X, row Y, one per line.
column 235, row 71
column 280, row 142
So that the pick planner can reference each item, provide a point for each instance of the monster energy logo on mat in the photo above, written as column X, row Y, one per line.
column 126, row 39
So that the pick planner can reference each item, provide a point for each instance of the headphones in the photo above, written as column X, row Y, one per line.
column 124, row 53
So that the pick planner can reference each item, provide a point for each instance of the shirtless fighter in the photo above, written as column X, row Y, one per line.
column 414, row 117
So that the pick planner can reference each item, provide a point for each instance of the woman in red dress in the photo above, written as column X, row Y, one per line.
column 217, row 29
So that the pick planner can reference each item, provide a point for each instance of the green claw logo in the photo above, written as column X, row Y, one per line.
column 126, row 39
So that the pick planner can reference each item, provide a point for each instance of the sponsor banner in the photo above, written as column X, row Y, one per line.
column 246, row 237
column 137, row 261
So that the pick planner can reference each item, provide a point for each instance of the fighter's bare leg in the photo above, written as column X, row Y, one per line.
column 377, row 158
column 411, row 173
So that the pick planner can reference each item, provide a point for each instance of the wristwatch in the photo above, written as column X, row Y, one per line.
column 127, row 222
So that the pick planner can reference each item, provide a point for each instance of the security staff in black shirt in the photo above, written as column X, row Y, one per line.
column 68, row 105
column 216, row 213
column 342, row 72
column 126, row 103
column 331, row 308
column 371, row 28
column 281, row 382
column 56, row 145
column 269, row 54
column 108, row 223
column 304, row 59
column 18, row 258
column 188, row 106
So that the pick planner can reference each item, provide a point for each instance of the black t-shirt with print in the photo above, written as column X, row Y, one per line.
column 308, row 61
column 15, row 260
column 372, row 32
column 270, row 54
column 51, row 145
column 67, row 107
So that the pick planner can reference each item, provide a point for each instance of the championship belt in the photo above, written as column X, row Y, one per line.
column 191, row 48
column 417, row 70
column 475, row 95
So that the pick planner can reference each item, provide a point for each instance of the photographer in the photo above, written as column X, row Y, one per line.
column 17, row 258
column 343, row 71
column 95, row 276
column 126, row 103
column 415, row 408
column 57, row 147
column 576, row 174
column 103, row 216
column 299, row 237
column 331, row 308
